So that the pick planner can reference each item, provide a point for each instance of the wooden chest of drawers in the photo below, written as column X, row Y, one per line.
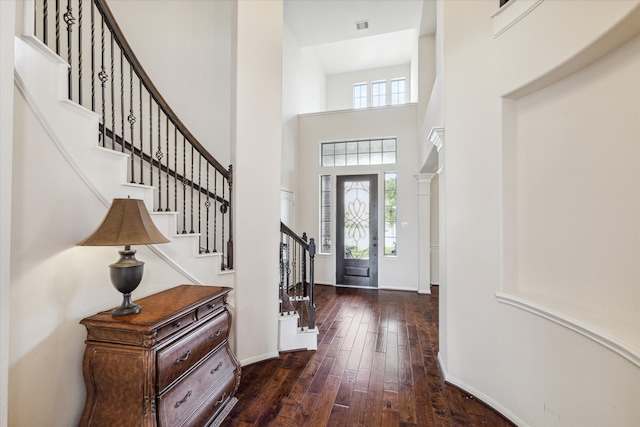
column 169, row 365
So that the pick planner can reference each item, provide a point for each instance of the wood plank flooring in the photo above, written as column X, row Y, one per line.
column 376, row 365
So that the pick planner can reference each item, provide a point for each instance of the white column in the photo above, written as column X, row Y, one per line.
column 436, row 136
column 256, row 182
column 7, row 41
column 424, row 232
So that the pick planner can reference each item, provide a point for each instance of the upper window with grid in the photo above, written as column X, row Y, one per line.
column 360, row 95
column 360, row 152
column 379, row 93
column 397, row 91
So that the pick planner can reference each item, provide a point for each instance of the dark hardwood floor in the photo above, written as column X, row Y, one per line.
column 376, row 365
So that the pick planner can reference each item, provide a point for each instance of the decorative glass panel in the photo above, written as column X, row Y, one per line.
column 325, row 213
column 356, row 220
column 390, row 217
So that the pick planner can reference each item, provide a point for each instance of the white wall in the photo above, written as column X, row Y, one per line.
column 7, row 14
column 340, row 86
column 399, row 272
column 579, row 234
column 191, row 64
column 426, row 71
column 303, row 91
column 535, row 206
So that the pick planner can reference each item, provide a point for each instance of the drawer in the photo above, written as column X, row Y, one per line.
column 182, row 399
column 210, row 307
column 180, row 356
column 175, row 326
column 214, row 403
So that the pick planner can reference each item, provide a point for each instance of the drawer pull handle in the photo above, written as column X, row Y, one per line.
column 217, row 334
column 184, row 399
column 211, row 305
column 177, row 325
column 224, row 396
column 217, row 368
column 183, row 358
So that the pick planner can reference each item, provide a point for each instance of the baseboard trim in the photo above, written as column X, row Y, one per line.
column 477, row 394
column 259, row 358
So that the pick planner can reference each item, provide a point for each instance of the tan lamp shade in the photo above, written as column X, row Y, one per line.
column 127, row 223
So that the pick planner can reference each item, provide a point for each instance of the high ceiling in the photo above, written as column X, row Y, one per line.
column 328, row 29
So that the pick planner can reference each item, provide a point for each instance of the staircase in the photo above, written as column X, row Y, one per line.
column 122, row 139
column 42, row 77
column 297, row 328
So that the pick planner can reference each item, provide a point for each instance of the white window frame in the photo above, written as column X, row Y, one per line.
column 397, row 97
column 360, row 100
column 379, row 99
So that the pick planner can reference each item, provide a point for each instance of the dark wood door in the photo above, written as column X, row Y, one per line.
column 357, row 230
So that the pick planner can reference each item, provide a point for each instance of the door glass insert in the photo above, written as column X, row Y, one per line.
column 356, row 220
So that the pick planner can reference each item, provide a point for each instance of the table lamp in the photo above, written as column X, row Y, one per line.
column 127, row 223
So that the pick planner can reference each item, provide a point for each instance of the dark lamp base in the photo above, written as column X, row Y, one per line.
column 126, row 308
column 125, row 277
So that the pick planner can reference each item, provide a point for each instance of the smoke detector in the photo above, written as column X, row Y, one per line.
column 362, row 25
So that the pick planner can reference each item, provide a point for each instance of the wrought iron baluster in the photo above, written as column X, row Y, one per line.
column 141, row 109
column 223, row 210
column 230, row 209
column 113, row 97
column 45, row 22
column 80, row 52
column 57, row 27
column 192, row 179
column 69, row 20
column 131, row 118
column 184, row 185
column 200, row 199
column 159, row 156
column 215, row 212
column 104, row 77
column 150, row 140
column 93, row 58
column 167, row 208
column 122, row 116
column 175, row 168
column 207, row 205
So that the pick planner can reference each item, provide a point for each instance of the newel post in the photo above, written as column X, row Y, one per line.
column 312, row 304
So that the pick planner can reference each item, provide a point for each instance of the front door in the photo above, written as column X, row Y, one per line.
column 357, row 230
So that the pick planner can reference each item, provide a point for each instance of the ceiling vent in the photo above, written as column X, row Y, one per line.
column 362, row 25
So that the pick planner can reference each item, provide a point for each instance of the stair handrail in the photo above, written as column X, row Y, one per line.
column 192, row 187
column 121, row 40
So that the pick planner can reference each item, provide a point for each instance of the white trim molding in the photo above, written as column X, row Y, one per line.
column 623, row 340
column 436, row 136
column 512, row 12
